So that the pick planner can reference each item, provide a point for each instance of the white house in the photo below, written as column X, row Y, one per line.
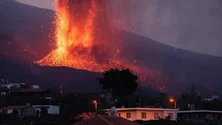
column 145, row 114
column 9, row 109
column 52, row 109
column 12, row 85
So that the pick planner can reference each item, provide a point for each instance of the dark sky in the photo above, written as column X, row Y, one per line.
column 190, row 24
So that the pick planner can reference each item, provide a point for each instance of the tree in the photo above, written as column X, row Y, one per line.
column 44, row 112
column 163, row 100
column 120, row 83
column 15, row 115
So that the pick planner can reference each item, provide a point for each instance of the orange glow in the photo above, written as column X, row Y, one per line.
column 78, row 42
column 171, row 100
column 74, row 36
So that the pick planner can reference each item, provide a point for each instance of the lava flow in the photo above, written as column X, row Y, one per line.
column 77, row 23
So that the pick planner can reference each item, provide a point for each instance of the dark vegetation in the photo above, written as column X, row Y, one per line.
column 120, row 83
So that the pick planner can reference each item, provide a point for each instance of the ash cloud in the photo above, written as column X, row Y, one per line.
column 190, row 24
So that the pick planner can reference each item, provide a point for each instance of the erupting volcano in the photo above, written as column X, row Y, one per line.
column 81, row 39
column 78, row 23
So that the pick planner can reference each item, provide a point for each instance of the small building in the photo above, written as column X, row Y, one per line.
column 4, row 91
column 12, row 85
column 200, row 116
column 9, row 109
column 52, row 109
column 145, row 114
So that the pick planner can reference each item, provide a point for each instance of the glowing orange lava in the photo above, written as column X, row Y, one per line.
column 79, row 27
column 74, row 35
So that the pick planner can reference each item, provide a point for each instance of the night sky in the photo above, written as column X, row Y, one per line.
column 190, row 24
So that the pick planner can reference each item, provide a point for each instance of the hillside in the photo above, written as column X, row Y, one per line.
column 30, row 26
column 71, row 80
column 178, row 69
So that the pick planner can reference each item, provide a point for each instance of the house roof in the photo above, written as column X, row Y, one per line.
column 23, row 106
column 29, row 90
column 45, row 106
column 106, row 120
column 143, row 109
column 13, row 107
column 199, row 111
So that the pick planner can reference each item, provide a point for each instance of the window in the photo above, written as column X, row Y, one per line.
column 156, row 115
column 143, row 115
column 170, row 115
column 119, row 114
column 128, row 115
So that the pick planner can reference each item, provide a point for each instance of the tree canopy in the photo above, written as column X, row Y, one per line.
column 120, row 83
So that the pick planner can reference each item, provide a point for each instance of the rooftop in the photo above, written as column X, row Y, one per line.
column 200, row 111
column 13, row 107
column 29, row 90
column 106, row 120
column 149, row 109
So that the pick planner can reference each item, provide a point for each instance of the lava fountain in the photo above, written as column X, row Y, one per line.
column 80, row 28
column 78, row 22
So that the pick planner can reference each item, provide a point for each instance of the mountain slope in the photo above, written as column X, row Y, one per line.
column 175, row 69
column 28, row 25
column 184, row 67
column 71, row 79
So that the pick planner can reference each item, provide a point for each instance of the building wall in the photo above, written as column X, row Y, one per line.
column 123, row 115
column 53, row 110
column 149, row 115
column 10, row 85
column 137, row 114
column 200, row 116
column 9, row 111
